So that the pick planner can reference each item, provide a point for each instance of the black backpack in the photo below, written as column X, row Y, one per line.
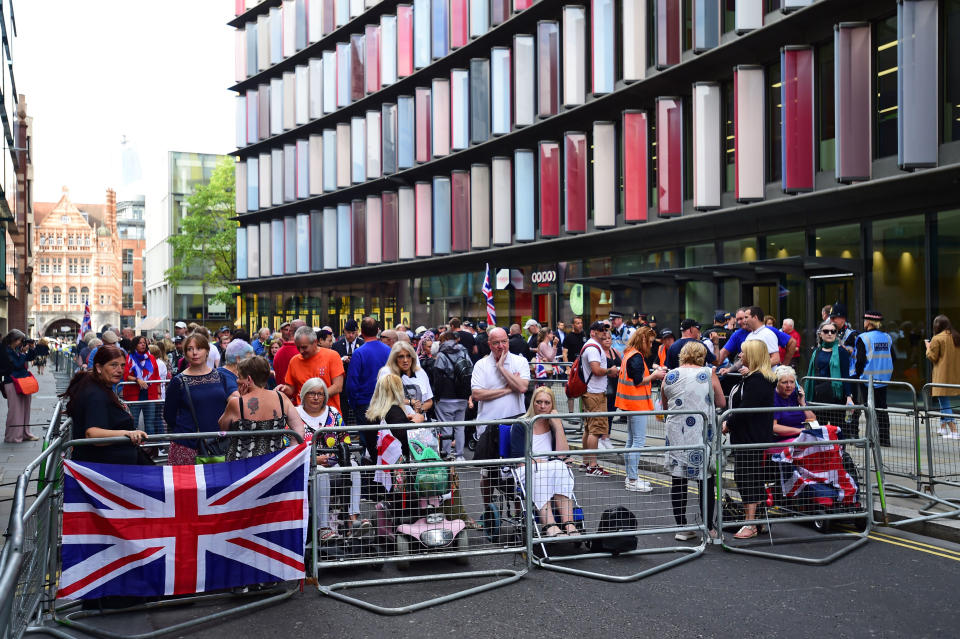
column 463, row 377
column 615, row 520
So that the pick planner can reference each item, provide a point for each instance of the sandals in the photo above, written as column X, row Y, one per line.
column 567, row 529
column 747, row 532
column 558, row 533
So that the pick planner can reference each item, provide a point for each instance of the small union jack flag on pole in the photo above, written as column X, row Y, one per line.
column 85, row 325
column 488, row 293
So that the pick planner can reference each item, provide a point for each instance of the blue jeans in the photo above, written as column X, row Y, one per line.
column 151, row 417
column 945, row 409
column 636, row 438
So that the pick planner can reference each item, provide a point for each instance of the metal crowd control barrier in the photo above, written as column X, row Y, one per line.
column 151, row 409
column 943, row 457
column 26, row 579
column 783, row 481
column 651, row 518
column 42, row 574
column 422, row 513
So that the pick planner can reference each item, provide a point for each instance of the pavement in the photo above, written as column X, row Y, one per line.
column 14, row 457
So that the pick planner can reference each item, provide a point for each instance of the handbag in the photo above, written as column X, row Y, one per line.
column 208, row 452
column 26, row 385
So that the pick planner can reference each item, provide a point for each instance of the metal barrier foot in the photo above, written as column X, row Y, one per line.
column 332, row 590
column 688, row 553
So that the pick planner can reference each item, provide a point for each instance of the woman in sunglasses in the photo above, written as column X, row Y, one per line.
column 829, row 359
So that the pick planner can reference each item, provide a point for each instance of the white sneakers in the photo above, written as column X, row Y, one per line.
column 605, row 443
column 637, row 485
column 946, row 433
column 685, row 535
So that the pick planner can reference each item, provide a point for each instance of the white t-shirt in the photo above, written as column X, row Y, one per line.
column 766, row 336
column 593, row 352
column 414, row 388
column 213, row 357
column 487, row 377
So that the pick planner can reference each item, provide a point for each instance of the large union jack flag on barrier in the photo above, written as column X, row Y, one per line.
column 173, row 530
column 815, row 465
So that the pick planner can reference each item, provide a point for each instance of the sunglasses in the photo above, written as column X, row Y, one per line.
column 827, row 331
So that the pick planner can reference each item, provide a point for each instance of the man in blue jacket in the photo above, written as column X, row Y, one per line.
column 365, row 363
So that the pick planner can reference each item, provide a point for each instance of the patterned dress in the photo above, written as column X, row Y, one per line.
column 246, row 447
column 688, row 389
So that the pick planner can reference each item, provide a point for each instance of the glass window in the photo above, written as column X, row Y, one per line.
column 687, row 25
column 700, row 255
column 951, row 71
column 886, row 65
column 128, row 256
column 825, row 110
column 699, row 301
column 72, row 295
column 742, row 250
column 128, row 278
column 729, row 15
column 84, row 294
column 899, row 287
column 774, row 117
column 947, row 265
column 128, row 300
column 44, row 295
column 839, row 241
column 786, row 245
column 729, row 144
column 57, row 295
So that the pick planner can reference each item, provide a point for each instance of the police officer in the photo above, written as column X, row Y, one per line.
column 620, row 332
column 875, row 357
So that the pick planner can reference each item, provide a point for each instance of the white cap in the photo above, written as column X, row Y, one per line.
column 531, row 322
column 180, row 325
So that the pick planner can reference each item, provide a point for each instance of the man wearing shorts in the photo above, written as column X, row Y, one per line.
column 593, row 361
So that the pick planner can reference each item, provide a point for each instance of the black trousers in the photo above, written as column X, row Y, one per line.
column 883, row 417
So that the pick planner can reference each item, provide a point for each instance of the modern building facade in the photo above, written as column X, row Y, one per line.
column 130, row 229
column 666, row 156
column 77, row 260
column 190, row 300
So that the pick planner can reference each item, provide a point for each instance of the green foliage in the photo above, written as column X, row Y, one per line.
column 206, row 246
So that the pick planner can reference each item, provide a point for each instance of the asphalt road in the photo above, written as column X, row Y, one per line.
column 897, row 585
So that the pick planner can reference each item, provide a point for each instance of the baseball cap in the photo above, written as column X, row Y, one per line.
column 666, row 332
column 420, row 330
column 468, row 323
column 350, row 325
column 599, row 326
column 180, row 325
column 283, row 324
column 689, row 323
column 482, row 326
column 531, row 322
column 721, row 316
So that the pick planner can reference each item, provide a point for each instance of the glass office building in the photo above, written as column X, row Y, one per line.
column 665, row 156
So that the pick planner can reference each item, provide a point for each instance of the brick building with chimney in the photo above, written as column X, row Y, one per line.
column 77, row 257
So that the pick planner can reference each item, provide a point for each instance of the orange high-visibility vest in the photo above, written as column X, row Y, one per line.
column 662, row 355
column 630, row 395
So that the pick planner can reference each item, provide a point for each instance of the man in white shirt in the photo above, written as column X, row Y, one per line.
column 753, row 322
column 595, row 372
column 499, row 381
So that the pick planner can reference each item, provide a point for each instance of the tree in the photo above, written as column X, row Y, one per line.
column 205, row 247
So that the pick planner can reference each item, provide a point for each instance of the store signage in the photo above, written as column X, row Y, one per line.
column 543, row 279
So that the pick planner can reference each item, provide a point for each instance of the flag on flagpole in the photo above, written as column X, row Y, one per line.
column 85, row 325
column 488, row 293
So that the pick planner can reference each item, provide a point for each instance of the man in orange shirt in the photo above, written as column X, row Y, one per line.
column 313, row 361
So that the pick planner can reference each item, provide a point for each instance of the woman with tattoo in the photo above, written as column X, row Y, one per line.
column 255, row 408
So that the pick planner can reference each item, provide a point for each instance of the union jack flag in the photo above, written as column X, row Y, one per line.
column 85, row 325
column 487, row 291
column 815, row 466
column 540, row 371
column 173, row 530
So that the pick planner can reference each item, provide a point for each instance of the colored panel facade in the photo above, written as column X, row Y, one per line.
column 853, row 101
column 424, row 225
column 500, row 102
column 501, row 184
column 574, row 55
column 603, row 40
column 668, row 33
column 524, row 168
column 605, row 176
column 479, row 206
column 442, row 216
column 669, row 156
column 797, row 119
column 749, row 123
column 917, row 84
column 549, row 182
column 707, row 150
column 460, row 211
column 575, row 181
column 548, row 68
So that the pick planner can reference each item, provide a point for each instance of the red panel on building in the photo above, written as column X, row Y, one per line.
column 404, row 40
column 390, row 225
column 635, row 171
column 424, row 148
column 669, row 156
column 459, row 23
column 371, row 41
column 549, row 189
column 358, row 215
column 575, row 181
column 460, row 205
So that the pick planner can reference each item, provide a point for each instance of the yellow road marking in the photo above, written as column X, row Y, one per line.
column 884, row 537
column 911, row 547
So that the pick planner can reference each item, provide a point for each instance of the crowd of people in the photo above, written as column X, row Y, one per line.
column 308, row 378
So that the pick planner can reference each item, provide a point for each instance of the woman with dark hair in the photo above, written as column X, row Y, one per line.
column 195, row 399
column 943, row 351
column 142, row 374
column 98, row 412
column 13, row 362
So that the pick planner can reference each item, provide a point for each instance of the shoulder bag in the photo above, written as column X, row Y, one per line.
column 209, row 451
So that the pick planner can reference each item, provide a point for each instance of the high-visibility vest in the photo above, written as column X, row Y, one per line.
column 879, row 360
column 662, row 355
column 630, row 395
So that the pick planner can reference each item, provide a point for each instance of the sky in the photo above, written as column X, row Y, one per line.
column 94, row 71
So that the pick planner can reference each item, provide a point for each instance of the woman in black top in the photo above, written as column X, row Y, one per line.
column 387, row 405
column 98, row 412
column 755, row 391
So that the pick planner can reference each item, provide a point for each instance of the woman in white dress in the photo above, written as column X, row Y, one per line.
column 691, row 386
column 552, row 481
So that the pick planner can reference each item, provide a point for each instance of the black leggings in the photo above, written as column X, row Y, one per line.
column 678, row 495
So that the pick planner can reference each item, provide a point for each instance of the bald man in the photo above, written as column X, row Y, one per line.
column 287, row 352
